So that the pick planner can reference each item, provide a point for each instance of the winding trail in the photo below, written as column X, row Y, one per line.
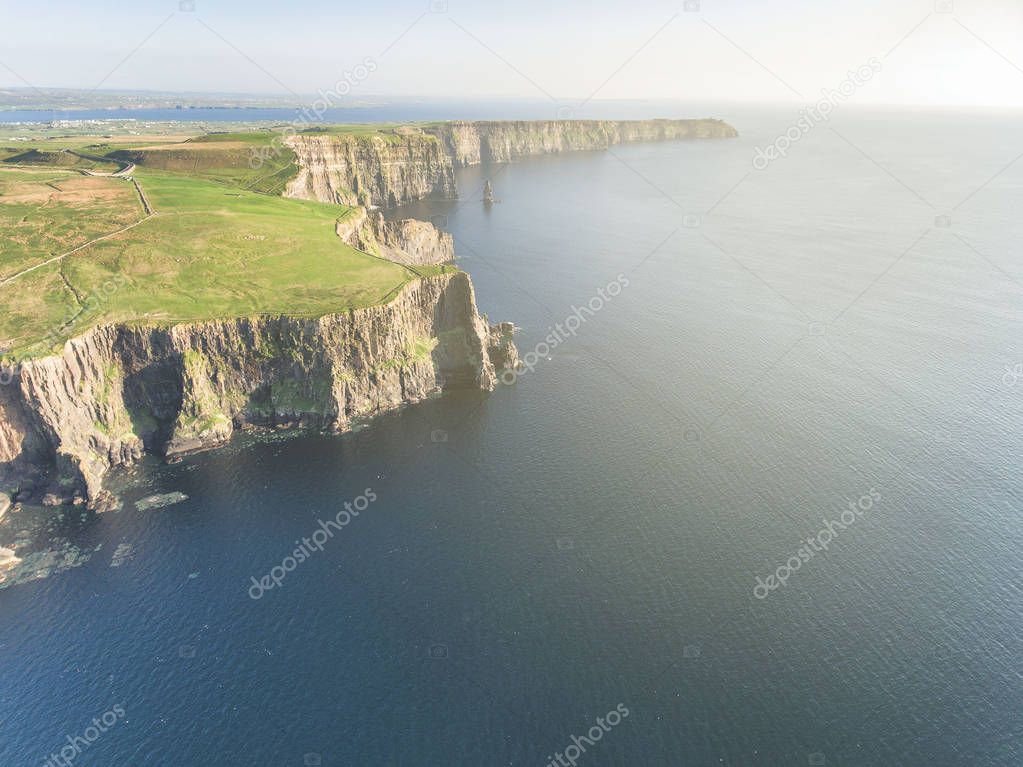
column 62, row 256
column 125, row 169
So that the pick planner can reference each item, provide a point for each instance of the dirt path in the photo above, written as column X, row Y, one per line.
column 125, row 168
column 145, row 206
column 62, row 256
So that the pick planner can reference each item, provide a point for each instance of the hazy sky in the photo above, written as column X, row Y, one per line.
column 741, row 50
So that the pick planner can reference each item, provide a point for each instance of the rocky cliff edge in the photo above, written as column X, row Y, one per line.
column 119, row 391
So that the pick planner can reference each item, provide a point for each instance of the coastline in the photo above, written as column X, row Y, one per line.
column 119, row 391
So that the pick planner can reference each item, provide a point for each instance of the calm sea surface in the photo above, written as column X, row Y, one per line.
column 843, row 326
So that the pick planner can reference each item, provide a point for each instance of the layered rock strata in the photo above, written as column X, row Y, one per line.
column 407, row 241
column 119, row 391
column 417, row 163
column 473, row 143
column 370, row 170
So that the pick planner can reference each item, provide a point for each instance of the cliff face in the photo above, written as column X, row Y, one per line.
column 21, row 446
column 408, row 241
column 415, row 164
column 472, row 143
column 119, row 391
column 370, row 170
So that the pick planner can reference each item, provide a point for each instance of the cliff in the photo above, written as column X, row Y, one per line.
column 382, row 170
column 473, row 143
column 407, row 241
column 119, row 391
column 387, row 170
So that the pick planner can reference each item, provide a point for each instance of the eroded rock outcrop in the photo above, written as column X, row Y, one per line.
column 118, row 391
column 407, row 241
column 503, row 353
column 8, row 559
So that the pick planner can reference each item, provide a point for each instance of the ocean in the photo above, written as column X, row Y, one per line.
column 762, row 493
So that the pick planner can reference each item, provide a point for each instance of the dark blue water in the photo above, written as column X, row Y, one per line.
column 591, row 536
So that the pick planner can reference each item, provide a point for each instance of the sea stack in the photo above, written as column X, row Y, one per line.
column 488, row 192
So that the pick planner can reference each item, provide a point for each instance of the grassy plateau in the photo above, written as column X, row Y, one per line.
column 77, row 250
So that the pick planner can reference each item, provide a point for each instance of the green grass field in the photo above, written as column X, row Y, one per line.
column 36, row 158
column 215, row 248
column 255, row 161
column 48, row 211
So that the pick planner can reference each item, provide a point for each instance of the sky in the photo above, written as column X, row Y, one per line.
column 928, row 52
